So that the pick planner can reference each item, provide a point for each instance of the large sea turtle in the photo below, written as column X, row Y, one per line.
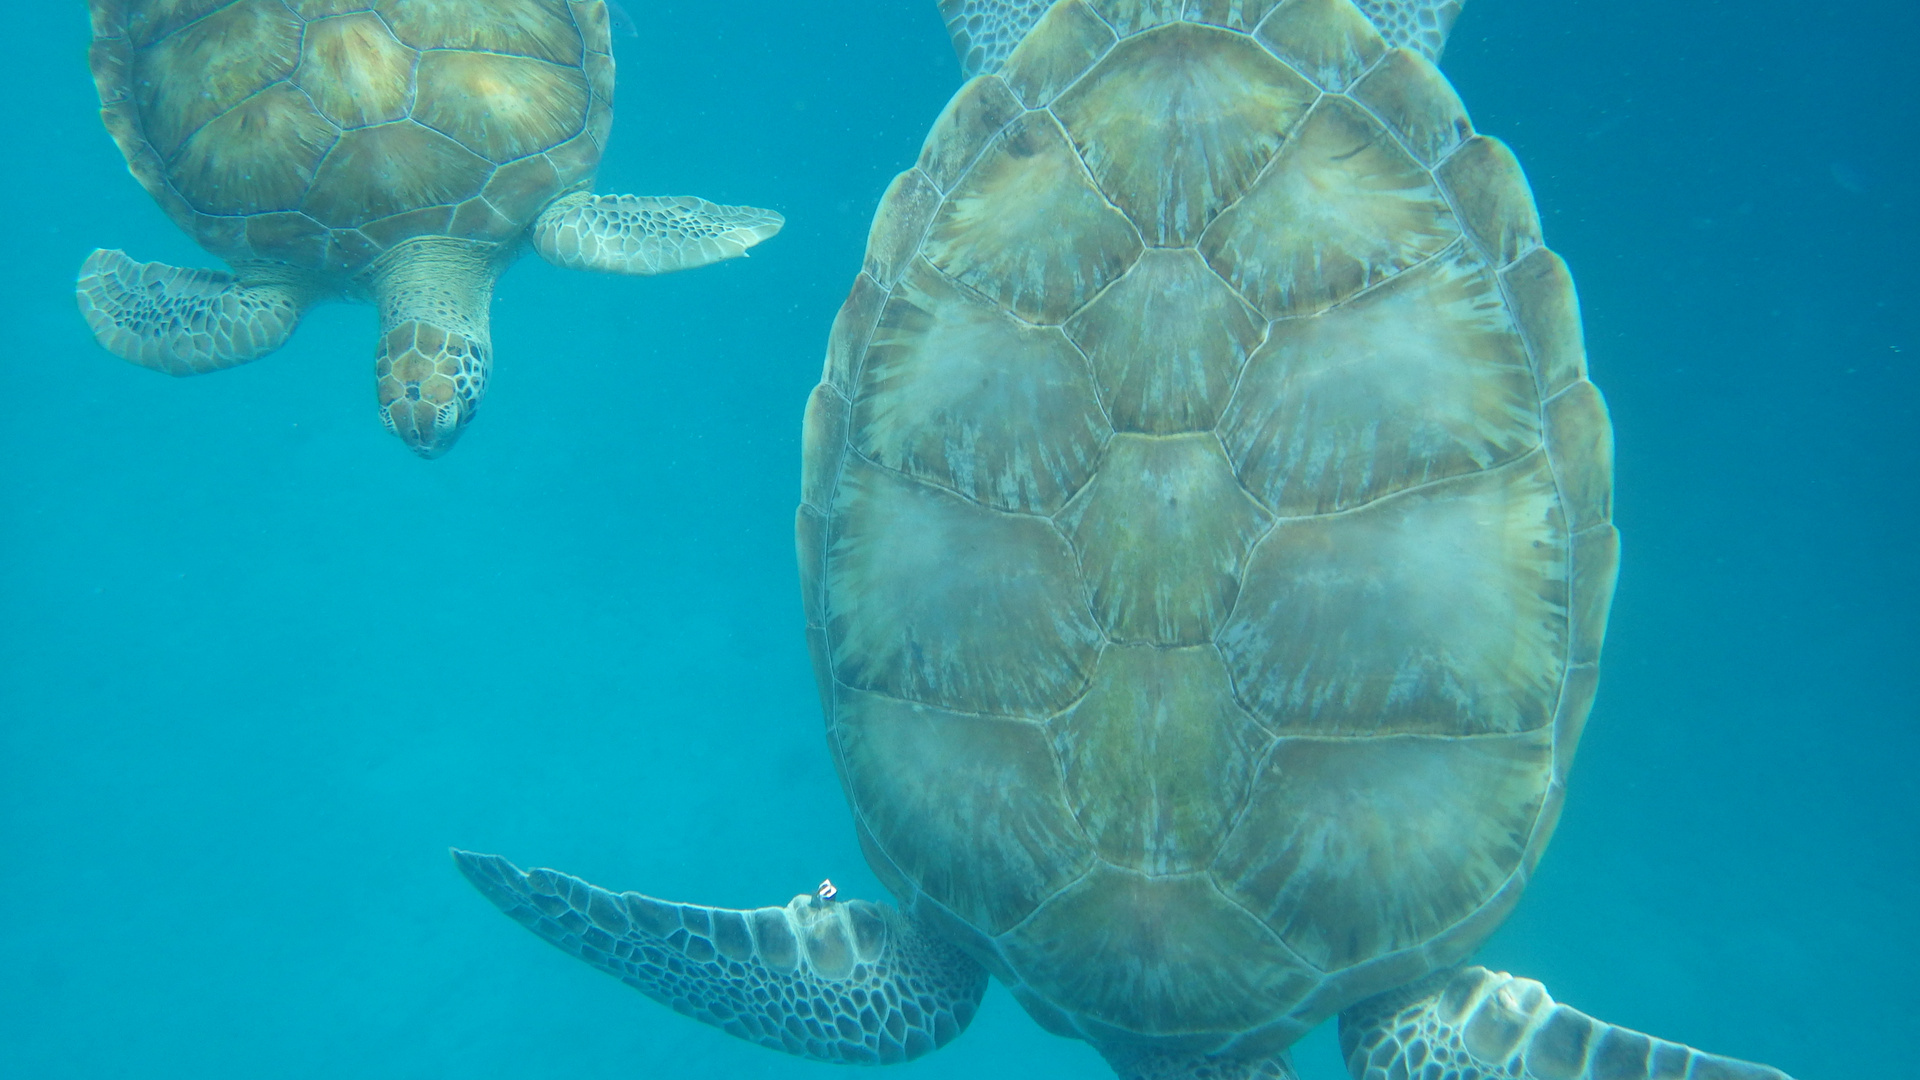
column 401, row 152
column 1206, row 551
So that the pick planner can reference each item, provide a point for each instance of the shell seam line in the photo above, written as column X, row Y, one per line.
column 1262, row 923
column 947, row 709
column 1093, row 863
column 202, row 17
column 1537, row 447
column 937, row 486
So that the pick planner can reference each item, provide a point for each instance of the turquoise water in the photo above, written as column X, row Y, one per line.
column 259, row 666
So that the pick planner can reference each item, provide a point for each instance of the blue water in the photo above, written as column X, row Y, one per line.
column 259, row 666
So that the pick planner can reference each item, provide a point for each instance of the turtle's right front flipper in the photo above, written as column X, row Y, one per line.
column 839, row 981
column 183, row 322
column 1475, row 1022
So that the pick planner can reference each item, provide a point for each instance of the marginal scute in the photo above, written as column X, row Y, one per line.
column 1491, row 195
column 1548, row 311
column 599, row 70
column 823, row 441
column 1129, row 17
column 149, row 22
column 899, row 224
column 595, row 23
column 1341, row 208
column 348, row 250
column 1422, row 378
column 542, row 29
column 390, row 232
column 1354, row 848
column 1063, row 44
column 1328, row 41
column 1026, row 228
column 224, row 235
column 852, row 330
column 292, row 238
column 1441, row 610
column 1157, row 956
column 1167, row 342
column 987, row 833
column 1418, row 103
column 937, row 599
column 1580, row 441
column 519, row 190
column 477, row 219
column 1596, row 566
column 1157, row 757
column 1232, row 14
column 355, row 71
column 212, row 65
column 975, row 115
column 956, row 391
column 575, row 160
column 1570, row 719
column 257, row 157
column 810, row 546
column 821, row 654
column 1176, row 122
column 377, row 171
column 1163, row 533
column 311, row 10
column 500, row 107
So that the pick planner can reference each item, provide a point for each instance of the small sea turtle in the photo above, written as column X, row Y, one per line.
column 1206, row 550
column 400, row 152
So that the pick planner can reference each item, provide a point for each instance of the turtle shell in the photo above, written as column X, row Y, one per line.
column 1205, row 537
column 320, row 133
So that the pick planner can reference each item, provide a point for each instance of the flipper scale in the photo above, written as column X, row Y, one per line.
column 847, row 982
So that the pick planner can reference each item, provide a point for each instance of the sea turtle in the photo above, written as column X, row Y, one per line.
column 400, row 152
column 1206, row 550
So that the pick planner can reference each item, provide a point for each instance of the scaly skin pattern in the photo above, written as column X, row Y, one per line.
column 1476, row 1024
column 184, row 322
column 847, row 982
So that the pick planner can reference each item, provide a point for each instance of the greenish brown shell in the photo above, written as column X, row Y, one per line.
column 321, row 133
column 1205, row 537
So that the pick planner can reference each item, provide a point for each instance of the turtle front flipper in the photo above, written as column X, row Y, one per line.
column 181, row 321
column 1474, row 1019
column 838, row 981
column 639, row 234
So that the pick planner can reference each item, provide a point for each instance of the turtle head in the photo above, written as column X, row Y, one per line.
column 435, row 345
column 430, row 382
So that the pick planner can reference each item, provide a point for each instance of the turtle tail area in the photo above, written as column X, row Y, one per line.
column 1472, row 1022
column 183, row 322
column 840, row 981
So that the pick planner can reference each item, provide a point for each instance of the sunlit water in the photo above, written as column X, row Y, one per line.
column 259, row 666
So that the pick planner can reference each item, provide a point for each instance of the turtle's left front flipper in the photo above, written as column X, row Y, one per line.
column 183, row 321
column 839, row 981
column 638, row 234
column 1487, row 1023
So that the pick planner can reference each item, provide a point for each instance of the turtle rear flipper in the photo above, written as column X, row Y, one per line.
column 181, row 321
column 1475, row 1019
column 640, row 234
column 847, row 982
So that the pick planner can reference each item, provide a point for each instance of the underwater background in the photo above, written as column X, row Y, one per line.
column 260, row 666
